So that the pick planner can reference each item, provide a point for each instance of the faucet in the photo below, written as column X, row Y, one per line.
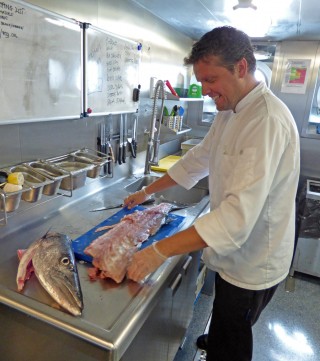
column 154, row 133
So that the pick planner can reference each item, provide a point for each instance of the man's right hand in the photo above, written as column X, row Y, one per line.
column 135, row 199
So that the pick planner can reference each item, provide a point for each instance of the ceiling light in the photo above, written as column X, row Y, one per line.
column 243, row 4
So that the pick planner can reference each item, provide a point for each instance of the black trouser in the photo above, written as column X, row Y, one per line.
column 235, row 311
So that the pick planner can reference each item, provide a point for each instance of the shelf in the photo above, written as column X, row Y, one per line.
column 169, row 96
column 184, row 129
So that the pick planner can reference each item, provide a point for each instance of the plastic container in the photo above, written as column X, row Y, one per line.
column 195, row 91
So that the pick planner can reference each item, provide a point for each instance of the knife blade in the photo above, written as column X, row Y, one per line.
column 124, row 146
column 148, row 201
column 120, row 141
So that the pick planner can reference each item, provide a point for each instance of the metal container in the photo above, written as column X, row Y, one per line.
column 10, row 201
column 50, row 171
column 34, row 181
column 76, row 169
column 91, row 157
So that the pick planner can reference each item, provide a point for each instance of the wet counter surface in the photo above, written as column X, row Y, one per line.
column 113, row 313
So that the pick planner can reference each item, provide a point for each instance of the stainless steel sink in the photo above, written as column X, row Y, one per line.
column 176, row 194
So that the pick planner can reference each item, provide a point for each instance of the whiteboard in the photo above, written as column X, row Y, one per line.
column 111, row 72
column 40, row 64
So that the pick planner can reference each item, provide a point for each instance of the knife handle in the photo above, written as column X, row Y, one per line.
column 124, row 153
column 120, row 154
column 133, row 148
column 109, row 166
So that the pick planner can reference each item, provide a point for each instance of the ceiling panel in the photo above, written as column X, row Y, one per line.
column 288, row 20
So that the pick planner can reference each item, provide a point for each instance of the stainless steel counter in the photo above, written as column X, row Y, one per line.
column 113, row 314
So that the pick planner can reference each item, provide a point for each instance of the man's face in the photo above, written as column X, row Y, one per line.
column 223, row 86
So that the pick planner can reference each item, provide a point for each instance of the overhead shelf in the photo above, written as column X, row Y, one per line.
column 169, row 96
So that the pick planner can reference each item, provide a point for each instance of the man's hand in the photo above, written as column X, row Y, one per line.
column 144, row 262
column 135, row 199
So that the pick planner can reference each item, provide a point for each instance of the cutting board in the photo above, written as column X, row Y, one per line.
column 84, row 240
column 166, row 163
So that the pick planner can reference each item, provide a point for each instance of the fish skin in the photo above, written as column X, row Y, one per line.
column 52, row 259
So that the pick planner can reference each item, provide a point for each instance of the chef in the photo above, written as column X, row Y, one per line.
column 251, row 157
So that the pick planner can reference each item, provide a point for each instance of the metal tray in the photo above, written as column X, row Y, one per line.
column 76, row 169
column 51, row 172
column 36, row 183
column 91, row 157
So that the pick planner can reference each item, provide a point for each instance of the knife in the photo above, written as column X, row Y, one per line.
column 134, row 136
column 124, row 140
column 121, row 141
column 129, row 139
column 105, row 147
column 109, row 150
column 148, row 201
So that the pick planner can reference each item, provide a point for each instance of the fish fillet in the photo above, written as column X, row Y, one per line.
column 112, row 251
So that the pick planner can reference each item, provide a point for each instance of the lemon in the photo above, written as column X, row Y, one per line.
column 15, row 178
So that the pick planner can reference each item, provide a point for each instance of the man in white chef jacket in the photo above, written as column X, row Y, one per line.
column 251, row 155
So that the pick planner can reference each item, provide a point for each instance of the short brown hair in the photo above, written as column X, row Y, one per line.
column 226, row 42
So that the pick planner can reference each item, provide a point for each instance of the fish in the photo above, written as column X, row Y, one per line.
column 52, row 260
column 112, row 251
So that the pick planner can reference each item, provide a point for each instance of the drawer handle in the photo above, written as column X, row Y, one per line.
column 176, row 283
column 187, row 264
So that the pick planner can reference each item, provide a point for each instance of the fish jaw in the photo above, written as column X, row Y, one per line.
column 25, row 265
column 63, row 287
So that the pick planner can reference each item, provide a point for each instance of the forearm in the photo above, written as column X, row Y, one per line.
column 160, row 184
column 182, row 242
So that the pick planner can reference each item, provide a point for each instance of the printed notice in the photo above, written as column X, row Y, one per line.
column 296, row 76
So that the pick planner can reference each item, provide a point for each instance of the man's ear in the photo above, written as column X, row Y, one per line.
column 242, row 67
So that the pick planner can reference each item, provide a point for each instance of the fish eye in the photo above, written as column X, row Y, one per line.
column 65, row 261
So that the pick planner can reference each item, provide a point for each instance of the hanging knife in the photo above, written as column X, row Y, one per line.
column 121, row 141
column 109, row 149
column 124, row 146
column 129, row 139
column 105, row 146
column 134, row 136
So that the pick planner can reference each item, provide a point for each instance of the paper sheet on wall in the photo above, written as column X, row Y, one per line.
column 296, row 76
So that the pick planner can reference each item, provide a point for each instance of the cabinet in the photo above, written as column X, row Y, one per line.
column 164, row 330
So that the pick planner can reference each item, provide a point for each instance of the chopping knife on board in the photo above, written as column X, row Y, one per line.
column 148, row 201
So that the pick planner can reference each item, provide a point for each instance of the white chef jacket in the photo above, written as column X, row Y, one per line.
column 252, row 158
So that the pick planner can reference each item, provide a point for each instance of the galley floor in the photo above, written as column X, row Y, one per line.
column 288, row 329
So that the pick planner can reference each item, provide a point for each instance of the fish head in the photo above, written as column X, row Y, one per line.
column 55, row 267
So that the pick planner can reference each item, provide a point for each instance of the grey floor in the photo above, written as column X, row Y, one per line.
column 288, row 330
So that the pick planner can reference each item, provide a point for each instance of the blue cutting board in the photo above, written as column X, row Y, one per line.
column 80, row 243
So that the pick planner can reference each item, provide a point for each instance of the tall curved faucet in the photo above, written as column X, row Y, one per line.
column 154, row 133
